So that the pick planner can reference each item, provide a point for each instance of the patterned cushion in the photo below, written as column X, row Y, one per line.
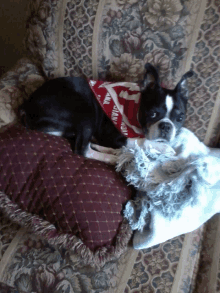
column 79, row 196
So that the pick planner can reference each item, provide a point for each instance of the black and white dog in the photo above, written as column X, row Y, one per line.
column 67, row 107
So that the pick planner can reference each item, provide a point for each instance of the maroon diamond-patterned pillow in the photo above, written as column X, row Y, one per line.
column 43, row 183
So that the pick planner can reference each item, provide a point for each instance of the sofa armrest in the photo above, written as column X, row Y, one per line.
column 16, row 85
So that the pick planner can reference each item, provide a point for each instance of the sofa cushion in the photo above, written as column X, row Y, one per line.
column 40, row 176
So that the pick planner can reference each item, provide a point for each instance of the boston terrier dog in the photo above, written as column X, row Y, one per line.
column 67, row 107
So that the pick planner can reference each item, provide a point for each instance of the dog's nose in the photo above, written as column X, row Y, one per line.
column 165, row 126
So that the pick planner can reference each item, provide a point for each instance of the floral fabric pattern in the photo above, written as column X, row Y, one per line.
column 8, row 289
column 205, row 85
column 135, row 32
column 77, row 37
column 207, row 257
column 7, row 233
column 162, row 13
column 42, row 30
column 15, row 86
column 155, row 268
column 39, row 267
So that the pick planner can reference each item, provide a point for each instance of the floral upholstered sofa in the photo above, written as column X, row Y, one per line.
column 107, row 40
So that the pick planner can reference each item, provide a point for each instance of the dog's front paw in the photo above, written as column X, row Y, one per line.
column 105, row 150
column 160, row 147
column 96, row 152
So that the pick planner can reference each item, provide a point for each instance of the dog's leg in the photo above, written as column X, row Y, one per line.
column 105, row 150
column 83, row 137
column 103, row 157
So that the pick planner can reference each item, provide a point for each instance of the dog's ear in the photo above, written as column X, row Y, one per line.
column 182, row 86
column 151, row 78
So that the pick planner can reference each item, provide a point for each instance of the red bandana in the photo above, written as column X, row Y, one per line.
column 120, row 101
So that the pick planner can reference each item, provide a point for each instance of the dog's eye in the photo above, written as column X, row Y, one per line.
column 153, row 114
column 179, row 119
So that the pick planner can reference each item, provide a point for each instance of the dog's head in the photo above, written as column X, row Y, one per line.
column 162, row 112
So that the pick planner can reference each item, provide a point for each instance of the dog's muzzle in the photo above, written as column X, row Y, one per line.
column 163, row 130
column 166, row 130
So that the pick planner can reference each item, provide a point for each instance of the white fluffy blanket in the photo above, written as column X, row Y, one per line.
column 178, row 184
